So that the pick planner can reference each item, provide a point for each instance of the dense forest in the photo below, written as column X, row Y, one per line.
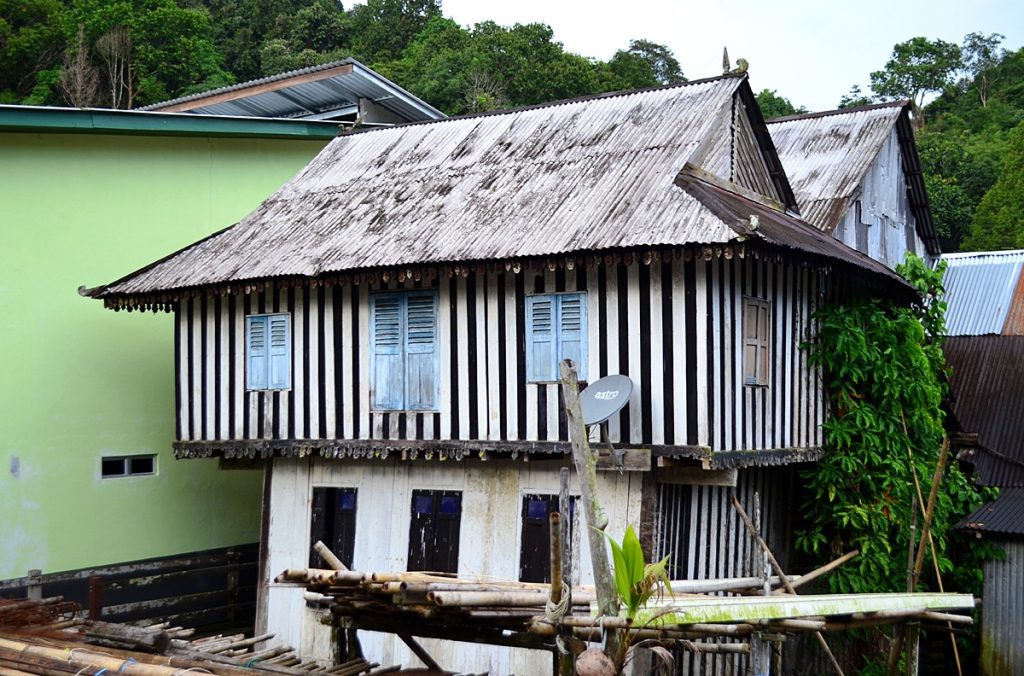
column 129, row 53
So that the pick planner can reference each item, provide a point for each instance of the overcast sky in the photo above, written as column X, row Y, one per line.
column 810, row 51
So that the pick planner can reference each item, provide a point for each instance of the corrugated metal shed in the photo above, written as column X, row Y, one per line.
column 982, row 290
column 583, row 175
column 987, row 387
column 317, row 92
column 1003, row 515
column 827, row 155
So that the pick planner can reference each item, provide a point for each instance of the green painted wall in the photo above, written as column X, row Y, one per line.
column 78, row 382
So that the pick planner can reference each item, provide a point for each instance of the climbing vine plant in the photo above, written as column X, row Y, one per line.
column 887, row 379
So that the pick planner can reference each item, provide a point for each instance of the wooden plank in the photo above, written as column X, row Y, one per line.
column 633, row 460
column 697, row 476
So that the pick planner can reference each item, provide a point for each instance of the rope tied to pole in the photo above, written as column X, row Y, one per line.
column 556, row 611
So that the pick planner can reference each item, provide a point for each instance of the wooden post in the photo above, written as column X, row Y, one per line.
column 782, row 578
column 35, row 585
column 565, row 659
column 586, row 468
column 95, row 597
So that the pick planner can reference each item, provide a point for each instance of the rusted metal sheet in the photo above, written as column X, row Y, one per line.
column 315, row 92
column 981, row 292
column 987, row 385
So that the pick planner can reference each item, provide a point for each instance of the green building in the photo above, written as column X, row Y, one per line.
column 87, row 402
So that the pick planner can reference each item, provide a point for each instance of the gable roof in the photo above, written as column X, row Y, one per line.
column 984, row 293
column 575, row 176
column 327, row 91
column 827, row 155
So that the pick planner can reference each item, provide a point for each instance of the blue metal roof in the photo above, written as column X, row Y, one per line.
column 979, row 290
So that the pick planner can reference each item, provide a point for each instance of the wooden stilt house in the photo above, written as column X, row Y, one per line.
column 383, row 335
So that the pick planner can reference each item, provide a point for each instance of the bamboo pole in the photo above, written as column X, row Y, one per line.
column 586, row 468
column 782, row 576
column 328, row 556
column 800, row 580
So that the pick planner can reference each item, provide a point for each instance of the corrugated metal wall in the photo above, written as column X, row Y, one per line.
column 674, row 326
column 699, row 527
column 1002, row 626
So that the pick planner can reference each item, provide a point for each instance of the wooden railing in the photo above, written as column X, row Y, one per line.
column 215, row 587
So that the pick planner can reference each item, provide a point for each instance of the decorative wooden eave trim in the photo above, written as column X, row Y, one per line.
column 166, row 301
column 443, row 450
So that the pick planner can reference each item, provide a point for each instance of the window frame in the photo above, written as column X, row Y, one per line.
column 761, row 344
column 551, row 374
column 267, row 358
column 404, row 295
column 126, row 465
column 431, row 555
column 543, row 560
column 330, row 523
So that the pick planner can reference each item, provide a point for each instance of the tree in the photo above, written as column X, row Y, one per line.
column 999, row 221
column 79, row 78
column 382, row 29
column 31, row 41
column 981, row 54
column 854, row 98
column 115, row 48
column 773, row 105
column 661, row 60
column 916, row 68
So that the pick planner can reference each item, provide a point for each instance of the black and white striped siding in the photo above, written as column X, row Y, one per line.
column 675, row 327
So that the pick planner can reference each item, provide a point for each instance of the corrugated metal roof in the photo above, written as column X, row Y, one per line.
column 980, row 290
column 987, row 386
column 306, row 93
column 1003, row 515
column 827, row 155
column 582, row 175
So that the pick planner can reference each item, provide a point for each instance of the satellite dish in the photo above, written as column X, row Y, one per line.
column 604, row 398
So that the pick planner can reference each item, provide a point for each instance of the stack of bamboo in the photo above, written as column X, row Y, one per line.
column 48, row 637
column 455, row 607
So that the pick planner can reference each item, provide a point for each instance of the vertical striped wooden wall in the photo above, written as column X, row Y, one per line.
column 673, row 326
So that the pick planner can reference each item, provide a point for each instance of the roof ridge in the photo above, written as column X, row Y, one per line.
column 838, row 111
column 553, row 104
column 961, row 255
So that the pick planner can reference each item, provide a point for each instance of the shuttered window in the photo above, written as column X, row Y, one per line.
column 434, row 531
column 756, row 326
column 333, row 522
column 556, row 329
column 535, row 548
column 404, row 340
column 268, row 350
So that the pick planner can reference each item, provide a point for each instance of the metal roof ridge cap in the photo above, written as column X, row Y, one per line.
column 901, row 103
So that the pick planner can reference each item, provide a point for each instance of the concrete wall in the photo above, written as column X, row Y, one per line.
column 81, row 382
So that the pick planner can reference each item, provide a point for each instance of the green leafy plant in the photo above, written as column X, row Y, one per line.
column 635, row 580
column 887, row 380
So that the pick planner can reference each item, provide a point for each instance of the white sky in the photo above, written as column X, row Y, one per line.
column 810, row 51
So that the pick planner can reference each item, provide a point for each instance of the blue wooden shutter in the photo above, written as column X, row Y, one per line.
column 540, row 338
column 421, row 353
column 386, row 340
column 256, row 352
column 280, row 352
column 572, row 331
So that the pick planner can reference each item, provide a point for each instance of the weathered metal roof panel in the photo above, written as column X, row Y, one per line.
column 827, row 155
column 987, row 385
column 1003, row 515
column 980, row 290
column 574, row 176
column 304, row 93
